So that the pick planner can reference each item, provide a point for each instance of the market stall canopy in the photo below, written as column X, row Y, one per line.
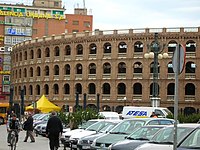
column 44, row 105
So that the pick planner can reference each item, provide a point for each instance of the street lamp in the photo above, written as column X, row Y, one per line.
column 155, row 53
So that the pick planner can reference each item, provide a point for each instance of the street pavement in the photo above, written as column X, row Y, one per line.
column 41, row 143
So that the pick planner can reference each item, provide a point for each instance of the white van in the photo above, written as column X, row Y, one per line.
column 109, row 115
column 144, row 112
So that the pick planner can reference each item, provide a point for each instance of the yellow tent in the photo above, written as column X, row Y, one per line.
column 44, row 105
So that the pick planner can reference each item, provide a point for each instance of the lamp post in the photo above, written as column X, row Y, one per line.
column 155, row 53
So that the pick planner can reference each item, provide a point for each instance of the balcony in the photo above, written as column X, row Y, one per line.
column 190, row 75
column 78, row 76
column 106, row 97
column 92, row 97
column 170, row 97
column 57, row 59
column 106, row 76
column 79, row 57
column 92, row 56
column 46, row 78
column 47, row 59
column 107, row 56
column 66, row 97
column 137, row 75
column 31, row 79
column 38, row 78
column 190, row 54
column 190, row 98
column 56, row 77
column 170, row 76
column 66, row 77
column 121, row 55
column 39, row 61
column 121, row 76
column 92, row 76
column 138, row 55
column 137, row 97
column 67, row 58
column 55, row 97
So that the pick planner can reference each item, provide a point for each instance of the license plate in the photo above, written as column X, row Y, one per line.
column 86, row 147
column 74, row 146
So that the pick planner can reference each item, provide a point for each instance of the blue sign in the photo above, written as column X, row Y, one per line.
column 137, row 113
column 12, row 31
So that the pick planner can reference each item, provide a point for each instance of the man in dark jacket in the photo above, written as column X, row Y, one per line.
column 53, row 130
column 28, row 126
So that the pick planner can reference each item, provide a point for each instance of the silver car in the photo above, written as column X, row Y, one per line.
column 163, row 140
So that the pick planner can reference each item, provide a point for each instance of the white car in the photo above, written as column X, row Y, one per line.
column 65, row 136
column 163, row 140
column 93, row 129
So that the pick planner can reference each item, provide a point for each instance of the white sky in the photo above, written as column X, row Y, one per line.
column 126, row 14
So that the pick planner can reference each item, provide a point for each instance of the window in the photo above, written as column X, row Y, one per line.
column 56, row 3
column 6, row 88
column 86, row 24
column 8, row 40
column 75, row 31
column 6, row 78
column 75, row 22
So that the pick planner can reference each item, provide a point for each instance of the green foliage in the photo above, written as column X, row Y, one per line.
column 193, row 118
column 76, row 118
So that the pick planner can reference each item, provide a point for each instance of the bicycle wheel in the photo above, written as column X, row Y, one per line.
column 13, row 141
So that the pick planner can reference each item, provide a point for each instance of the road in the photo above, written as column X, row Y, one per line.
column 42, row 143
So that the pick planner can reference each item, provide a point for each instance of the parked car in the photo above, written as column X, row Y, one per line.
column 65, row 136
column 138, row 137
column 125, row 128
column 91, row 130
column 191, row 142
column 164, row 138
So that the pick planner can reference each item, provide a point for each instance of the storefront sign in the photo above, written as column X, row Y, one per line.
column 5, row 72
column 58, row 16
column 1, row 38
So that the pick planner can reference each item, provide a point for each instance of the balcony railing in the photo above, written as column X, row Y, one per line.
column 78, row 76
column 92, row 76
column 121, row 75
column 106, row 76
column 137, row 76
column 190, row 75
column 92, row 97
column 105, row 97
column 66, row 77
column 190, row 98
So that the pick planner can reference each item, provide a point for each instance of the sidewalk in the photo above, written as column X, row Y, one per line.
column 42, row 143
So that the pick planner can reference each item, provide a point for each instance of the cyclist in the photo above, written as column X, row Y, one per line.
column 13, row 124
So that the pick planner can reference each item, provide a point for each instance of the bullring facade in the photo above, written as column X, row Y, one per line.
column 110, row 64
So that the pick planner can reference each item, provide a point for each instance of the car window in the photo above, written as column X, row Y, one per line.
column 153, row 122
column 192, row 141
column 167, row 134
column 144, row 132
column 166, row 122
column 128, row 126
column 159, row 112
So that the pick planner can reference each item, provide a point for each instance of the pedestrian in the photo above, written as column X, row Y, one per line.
column 13, row 124
column 53, row 130
column 28, row 127
column 153, row 115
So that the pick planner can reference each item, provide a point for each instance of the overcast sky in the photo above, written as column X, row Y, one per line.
column 126, row 14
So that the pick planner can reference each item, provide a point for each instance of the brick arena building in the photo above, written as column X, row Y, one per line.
column 109, row 65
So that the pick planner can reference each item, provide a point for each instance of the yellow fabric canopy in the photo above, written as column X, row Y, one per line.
column 44, row 105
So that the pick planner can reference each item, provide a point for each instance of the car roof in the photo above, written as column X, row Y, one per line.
column 192, row 125
column 146, row 119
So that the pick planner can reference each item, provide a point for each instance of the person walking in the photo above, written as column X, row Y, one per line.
column 28, row 127
column 53, row 130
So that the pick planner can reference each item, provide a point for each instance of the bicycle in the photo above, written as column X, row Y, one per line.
column 13, row 140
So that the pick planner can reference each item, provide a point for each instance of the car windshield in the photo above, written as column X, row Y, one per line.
column 166, row 135
column 87, row 124
column 145, row 133
column 98, row 126
column 127, row 126
column 192, row 141
column 36, row 116
column 107, row 128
